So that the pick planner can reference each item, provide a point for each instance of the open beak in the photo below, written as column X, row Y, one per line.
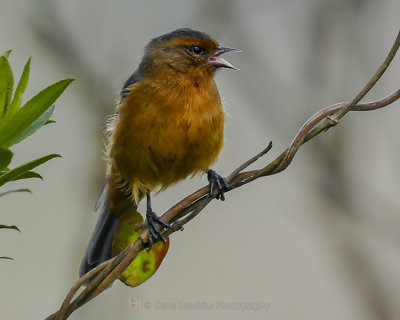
column 218, row 62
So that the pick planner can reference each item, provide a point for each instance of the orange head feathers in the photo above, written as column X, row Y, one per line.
column 185, row 51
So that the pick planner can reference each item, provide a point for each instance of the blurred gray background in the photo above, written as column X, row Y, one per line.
column 318, row 241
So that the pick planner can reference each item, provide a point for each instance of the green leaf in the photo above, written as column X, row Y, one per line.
column 5, row 158
column 19, row 91
column 3, row 226
column 8, row 258
column 39, row 122
column 27, row 175
column 6, row 84
column 13, row 191
column 49, row 121
column 7, row 53
column 12, row 174
column 32, row 110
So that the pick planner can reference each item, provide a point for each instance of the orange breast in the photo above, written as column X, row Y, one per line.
column 163, row 136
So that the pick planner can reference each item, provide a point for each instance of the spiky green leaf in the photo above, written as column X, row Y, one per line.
column 7, row 53
column 6, row 84
column 5, row 158
column 19, row 91
column 3, row 226
column 31, row 111
column 39, row 122
column 6, row 258
column 27, row 175
column 14, row 173
column 13, row 191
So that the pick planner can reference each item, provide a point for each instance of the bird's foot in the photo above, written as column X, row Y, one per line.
column 154, row 230
column 215, row 180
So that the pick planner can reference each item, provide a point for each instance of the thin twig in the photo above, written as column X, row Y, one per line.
column 334, row 120
column 81, row 282
column 248, row 163
column 378, row 74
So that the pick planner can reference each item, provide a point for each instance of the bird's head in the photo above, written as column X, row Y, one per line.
column 184, row 51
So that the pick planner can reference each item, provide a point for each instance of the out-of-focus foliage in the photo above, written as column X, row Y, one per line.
column 17, row 123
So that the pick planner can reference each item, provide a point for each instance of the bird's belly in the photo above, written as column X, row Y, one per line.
column 184, row 149
column 168, row 149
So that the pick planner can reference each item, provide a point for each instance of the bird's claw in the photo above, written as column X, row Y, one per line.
column 154, row 230
column 215, row 180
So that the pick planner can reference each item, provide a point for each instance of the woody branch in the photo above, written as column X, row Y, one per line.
column 185, row 210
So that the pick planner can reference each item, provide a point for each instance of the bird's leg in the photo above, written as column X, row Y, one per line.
column 215, row 180
column 152, row 220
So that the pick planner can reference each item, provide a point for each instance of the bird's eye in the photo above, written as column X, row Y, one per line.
column 197, row 49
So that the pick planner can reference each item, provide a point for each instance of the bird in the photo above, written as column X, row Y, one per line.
column 168, row 125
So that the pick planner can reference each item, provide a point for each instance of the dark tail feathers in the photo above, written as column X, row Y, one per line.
column 99, row 248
